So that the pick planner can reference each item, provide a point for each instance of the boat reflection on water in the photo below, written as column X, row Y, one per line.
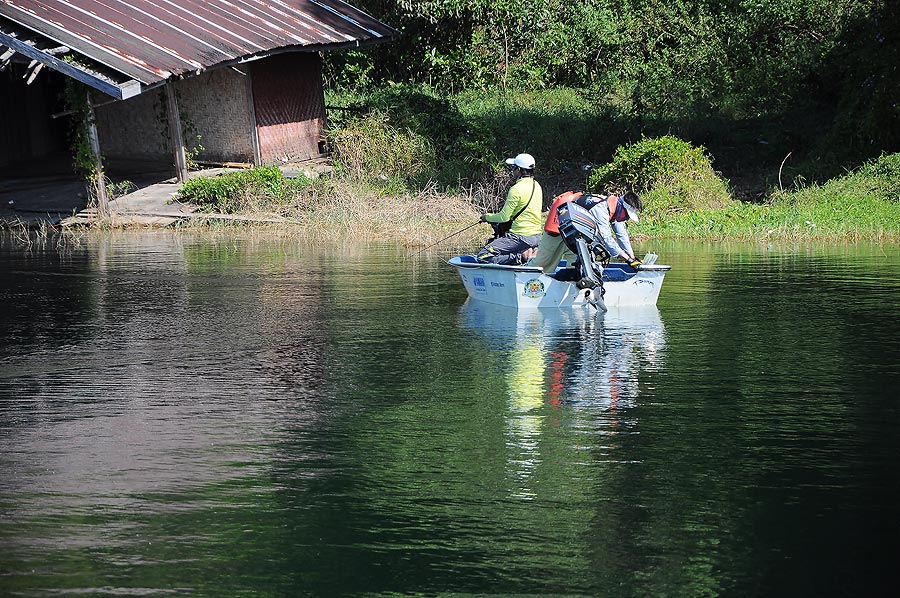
column 586, row 357
column 575, row 368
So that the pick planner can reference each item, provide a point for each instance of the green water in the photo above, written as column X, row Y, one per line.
column 200, row 416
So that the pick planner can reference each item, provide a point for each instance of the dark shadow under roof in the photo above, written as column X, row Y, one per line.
column 149, row 41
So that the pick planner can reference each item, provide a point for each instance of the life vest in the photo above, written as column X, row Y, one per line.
column 552, row 224
column 613, row 202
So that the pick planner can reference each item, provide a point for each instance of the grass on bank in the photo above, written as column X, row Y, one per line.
column 335, row 206
column 861, row 205
column 686, row 200
column 413, row 167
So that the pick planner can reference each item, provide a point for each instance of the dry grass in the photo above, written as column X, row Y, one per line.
column 337, row 208
column 370, row 147
column 416, row 220
column 40, row 236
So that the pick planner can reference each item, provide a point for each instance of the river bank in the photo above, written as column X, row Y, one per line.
column 862, row 206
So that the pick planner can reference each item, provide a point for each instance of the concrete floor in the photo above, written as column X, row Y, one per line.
column 38, row 199
column 47, row 191
column 51, row 195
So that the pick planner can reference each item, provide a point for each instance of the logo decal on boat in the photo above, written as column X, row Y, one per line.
column 479, row 281
column 533, row 288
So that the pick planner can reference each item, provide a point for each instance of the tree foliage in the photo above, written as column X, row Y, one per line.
column 675, row 60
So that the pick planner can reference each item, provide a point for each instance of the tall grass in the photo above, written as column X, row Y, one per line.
column 38, row 236
column 370, row 148
column 405, row 137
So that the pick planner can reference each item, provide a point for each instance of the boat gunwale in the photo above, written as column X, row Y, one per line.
column 456, row 262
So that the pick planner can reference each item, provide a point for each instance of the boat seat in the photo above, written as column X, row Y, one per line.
column 612, row 273
column 616, row 272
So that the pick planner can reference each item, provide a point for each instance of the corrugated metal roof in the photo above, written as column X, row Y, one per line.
column 152, row 40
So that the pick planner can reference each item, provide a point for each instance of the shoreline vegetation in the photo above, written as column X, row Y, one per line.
column 413, row 167
column 757, row 122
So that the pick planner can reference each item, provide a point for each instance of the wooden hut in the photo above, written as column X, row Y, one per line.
column 223, row 80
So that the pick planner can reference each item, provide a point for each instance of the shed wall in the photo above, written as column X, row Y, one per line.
column 134, row 129
column 290, row 107
column 217, row 106
column 283, row 93
column 214, row 106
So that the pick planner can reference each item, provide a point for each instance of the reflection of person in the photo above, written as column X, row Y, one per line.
column 526, row 416
column 564, row 366
column 605, row 373
column 518, row 223
column 613, row 231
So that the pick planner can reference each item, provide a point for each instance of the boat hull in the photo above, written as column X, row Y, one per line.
column 526, row 287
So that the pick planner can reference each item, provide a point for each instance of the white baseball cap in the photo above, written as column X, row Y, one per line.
column 632, row 213
column 627, row 199
column 525, row 161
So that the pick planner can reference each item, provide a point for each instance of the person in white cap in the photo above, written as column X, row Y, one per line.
column 614, row 235
column 517, row 226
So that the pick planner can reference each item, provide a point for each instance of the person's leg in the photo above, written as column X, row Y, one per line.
column 533, row 242
column 549, row 251
column 505, row 250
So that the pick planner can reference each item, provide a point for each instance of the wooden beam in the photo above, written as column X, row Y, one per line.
column 175, row 132
column 119, row 91
column 34, row 73
column 254, row 127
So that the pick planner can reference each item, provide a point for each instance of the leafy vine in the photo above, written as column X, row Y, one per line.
column 75, row 96
column 189, row 130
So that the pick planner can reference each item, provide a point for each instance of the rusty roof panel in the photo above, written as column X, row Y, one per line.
column 151, row 40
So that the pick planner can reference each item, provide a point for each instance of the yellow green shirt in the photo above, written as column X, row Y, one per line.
column 529, row 222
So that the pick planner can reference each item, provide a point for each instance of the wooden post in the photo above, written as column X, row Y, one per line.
column 94, row 140
column 175, row 131
column 254, row 128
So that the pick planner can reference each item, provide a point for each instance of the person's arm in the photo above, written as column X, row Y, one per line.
column 510, row 206
column 624, row 241
column 609, row 242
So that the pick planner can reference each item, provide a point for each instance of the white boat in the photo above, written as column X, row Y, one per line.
column 527, row 287
column 592, row 279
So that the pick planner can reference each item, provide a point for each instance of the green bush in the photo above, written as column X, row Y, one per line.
column 241, row 190
column 641, row 165
column 670, row 174
column 882, row 176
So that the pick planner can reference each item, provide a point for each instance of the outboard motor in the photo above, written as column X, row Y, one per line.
column 580, row 231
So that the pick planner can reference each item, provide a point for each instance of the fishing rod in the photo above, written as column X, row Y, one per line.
column 449, row 236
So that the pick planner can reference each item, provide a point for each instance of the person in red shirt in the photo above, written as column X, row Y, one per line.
column 614, row 234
